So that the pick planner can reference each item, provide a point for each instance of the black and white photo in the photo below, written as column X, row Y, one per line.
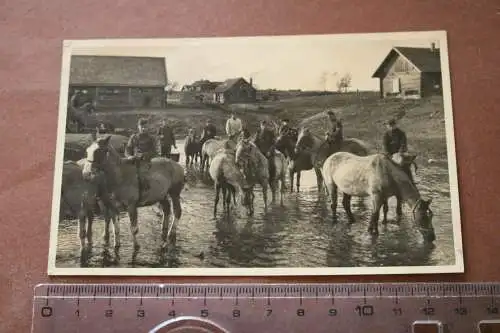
column 270, row 155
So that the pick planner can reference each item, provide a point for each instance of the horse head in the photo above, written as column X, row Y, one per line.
column 422, row 216
column 243, row 152
column 304, row 140
column 285, row 142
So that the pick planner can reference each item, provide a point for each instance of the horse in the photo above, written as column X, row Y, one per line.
column 228, row 178
column 285, row 143
column 378, row 177
column 254, row 165
column 80, row 117
column 209, row 149
column 77, row 202
column 319, row 150
column 166, row 179
column 192, row 148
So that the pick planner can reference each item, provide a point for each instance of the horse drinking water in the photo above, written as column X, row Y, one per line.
column 379, row 178
column 254, row 165
column 228, row 178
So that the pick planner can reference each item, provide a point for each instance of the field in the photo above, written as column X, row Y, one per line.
column 363, row 115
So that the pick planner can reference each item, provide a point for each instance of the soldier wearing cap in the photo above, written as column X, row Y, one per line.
column 209, row 132
column 141, row 148
column 166, row 138
column 394, row 139
column 284, row 127
column 265, row 141
column 335, row 134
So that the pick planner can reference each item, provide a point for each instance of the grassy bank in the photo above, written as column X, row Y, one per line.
column 363, row 116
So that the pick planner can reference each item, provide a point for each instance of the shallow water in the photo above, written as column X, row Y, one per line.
column 299, row 234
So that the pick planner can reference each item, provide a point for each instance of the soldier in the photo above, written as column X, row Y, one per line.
column 394, row 139
column 284, row 127
column 265, row 141
column 166, row 139
column 335, row 134
column 209, row 132
column 233, row 127
column 141, row 148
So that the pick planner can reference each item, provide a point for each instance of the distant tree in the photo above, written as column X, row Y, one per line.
column 344, row 82
column 172, row 86
column 323, row 80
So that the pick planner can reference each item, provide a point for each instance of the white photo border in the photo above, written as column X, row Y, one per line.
column 69, row 46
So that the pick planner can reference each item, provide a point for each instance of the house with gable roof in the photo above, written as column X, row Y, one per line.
column 410, row 72
column 236, row 90
column 118, row 81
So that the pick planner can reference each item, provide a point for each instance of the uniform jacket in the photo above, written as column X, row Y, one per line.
column 264, row 140
column 395, row 141
column 166, row 136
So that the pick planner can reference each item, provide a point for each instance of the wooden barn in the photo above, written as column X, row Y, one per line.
column 236, row 90
column 120, row 82
column 410, row 72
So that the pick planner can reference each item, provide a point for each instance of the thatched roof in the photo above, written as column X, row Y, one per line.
column 118, row 71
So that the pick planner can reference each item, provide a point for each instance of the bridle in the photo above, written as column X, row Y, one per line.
column 430, row 214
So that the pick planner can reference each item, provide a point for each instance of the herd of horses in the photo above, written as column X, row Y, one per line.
column 236, row 167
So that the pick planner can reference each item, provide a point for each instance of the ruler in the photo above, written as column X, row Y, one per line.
column 245, row 308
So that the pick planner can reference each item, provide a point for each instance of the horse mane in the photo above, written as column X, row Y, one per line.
column 393, row 170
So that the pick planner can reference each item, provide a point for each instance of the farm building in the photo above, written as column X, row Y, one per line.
column 410, row 72
column 199, row 91
column 236, row 90
column 115, row 81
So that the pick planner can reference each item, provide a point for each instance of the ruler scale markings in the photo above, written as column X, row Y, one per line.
column 451, row 301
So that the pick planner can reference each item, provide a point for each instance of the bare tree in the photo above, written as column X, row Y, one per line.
column 323, row 80
column 171, row 86
column 344, row 82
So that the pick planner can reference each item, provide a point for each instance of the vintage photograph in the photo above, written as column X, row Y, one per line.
column 271, row 155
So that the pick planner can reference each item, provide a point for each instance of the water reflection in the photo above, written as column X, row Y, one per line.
column 302, row 233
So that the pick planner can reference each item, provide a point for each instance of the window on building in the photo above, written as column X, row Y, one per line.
column 395, row 85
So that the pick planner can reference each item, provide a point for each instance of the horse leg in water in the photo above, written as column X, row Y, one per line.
column 108, row 217
column 224, row 198
column 291, row 173
column 377, row 202
column 134, row 228
column 346, row 202
column 85, row 217
column 332, row 190
column 165, row 207
column 282, row 187
column 399, row 208
column 175, row 196
column 217, row 193
column 298, row 181
column 385, row 207
column 319, row 179
column 264, row 194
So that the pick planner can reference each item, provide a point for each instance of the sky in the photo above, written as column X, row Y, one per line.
column 278, row 62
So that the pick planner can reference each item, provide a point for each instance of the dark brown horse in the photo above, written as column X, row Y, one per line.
column 319, row 150
column 192, row 148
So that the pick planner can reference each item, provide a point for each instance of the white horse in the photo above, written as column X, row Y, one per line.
column 378, row 177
